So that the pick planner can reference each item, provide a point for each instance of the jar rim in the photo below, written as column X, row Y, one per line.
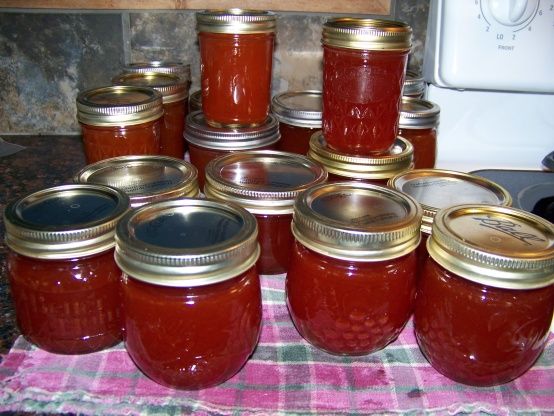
column 171, row 86
column 235, row 21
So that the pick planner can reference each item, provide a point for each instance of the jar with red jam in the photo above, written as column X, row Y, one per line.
column 299, row 116
column 191, row 292
column 207, row 142
column 351, row 282
column 414, row 85
column 62, row 274
column 364, row 66
column 267, row 184
column 436, row 189
column 376, row 168
column 119, row 121
column 486, row 295
column 236, row 57
column 174, row 97
column 144, row 178
column 418, row 124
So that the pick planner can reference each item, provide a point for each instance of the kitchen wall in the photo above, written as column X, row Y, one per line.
column 47, row 57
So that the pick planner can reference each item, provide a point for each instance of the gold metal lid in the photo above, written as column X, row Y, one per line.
column 170, row 86
column 380, row 166
column 64, row 222
column 436, row 189
column 119, row 106
column 298, row 108
column 357, row 221
column 195, row 101
column 186, row 242
column 144, row 178
column 416, row 113
column 496, row 246
column 414, row 85
column 367, row 34
column 180, row 69
column 200, row 133
column 264, row 181
column 235, row 21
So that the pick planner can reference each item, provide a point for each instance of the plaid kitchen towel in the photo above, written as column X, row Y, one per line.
column 284, row 376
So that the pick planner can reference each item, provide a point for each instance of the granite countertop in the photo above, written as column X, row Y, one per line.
column 44, row 162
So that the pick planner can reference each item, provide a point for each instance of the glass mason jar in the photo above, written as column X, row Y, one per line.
column 414, row 85
column 418, row 124
column 207, row 142
column 174, row 97
column 352, row 278
column 119, row 121
column 63, row 278
column 236, row 56
column 486, row 295
column 377, row 168
column 299, row 116
column 364, row 65
column 436, row 189
column 144, row 178
column 191, row 293
column 266, row 183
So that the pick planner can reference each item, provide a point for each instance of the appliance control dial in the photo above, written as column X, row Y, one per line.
column 512, row 12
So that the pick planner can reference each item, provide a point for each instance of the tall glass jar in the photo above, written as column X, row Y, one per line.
column 364, row 65
column 236, row 56
column 119, row 121
column 486, row 295
column 191, row 292
column 299, row 116
column 267, row 184
column 352, row 279
column 63, row 278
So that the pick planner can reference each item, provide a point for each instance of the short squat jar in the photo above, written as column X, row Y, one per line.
column 119, row 121
column 207, row 142
column 486, row 295
column 191, row 292
column 299, row 116
column 376, row 168
column 267, row 184
column 364, row 64
column 418, row 124
column 236, row 57
column 61, row 269
column 144, row 179
column 174, row 98
column 352, row 279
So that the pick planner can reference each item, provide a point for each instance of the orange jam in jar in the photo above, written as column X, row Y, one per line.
column 207, row 142
column 174, row 92
column 299, row 116
column 236, row 57
column 376, row 168
column 119, row 121
column 144, row 178
column 352, row 278
column 266, row 183
column 191, row 293
column 486, row 295
column 62, row 274
column 418, row 124
column 364, row 65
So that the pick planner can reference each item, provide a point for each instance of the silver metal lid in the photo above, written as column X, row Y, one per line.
column 264, row 181
column 381, row 166
column 496, row 246
column 436, row 189
column 237, row 21
column 416, row 113
column 144, row 178
column 195, row 101
column 200, row 133
column 298, row 108
column 357, row 221
column 186, row 242
column 170, row 86
column 414, row 85
column 119, row 105
column 65, row 222
column 180, row 69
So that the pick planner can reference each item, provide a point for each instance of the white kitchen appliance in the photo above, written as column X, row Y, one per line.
column 490, row 65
